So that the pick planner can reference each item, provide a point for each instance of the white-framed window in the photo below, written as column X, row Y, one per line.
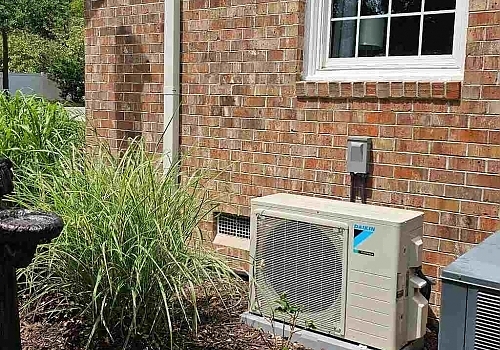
column 385, row 40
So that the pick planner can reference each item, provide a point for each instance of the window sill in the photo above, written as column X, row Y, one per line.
column 380, row 90
column 232, row 241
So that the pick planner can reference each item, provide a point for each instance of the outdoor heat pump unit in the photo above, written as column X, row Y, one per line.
column 352, row 268
column 470, row 306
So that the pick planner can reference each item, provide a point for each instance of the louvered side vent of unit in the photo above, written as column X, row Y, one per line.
column 487, row 334
column 308, row 263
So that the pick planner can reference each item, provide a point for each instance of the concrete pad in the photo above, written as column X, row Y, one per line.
column 310, row 339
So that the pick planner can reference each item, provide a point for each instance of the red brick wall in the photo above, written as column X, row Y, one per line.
column 124, row 69
column 245, row 113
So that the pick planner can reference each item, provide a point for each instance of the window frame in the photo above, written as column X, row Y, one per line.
column 319, row 67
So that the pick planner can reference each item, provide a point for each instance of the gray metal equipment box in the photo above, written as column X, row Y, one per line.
column 358, row 154
column 470, row 306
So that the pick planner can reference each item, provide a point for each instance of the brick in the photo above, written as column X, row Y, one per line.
column 346, row 89
column 455, row 149
column 448, row 177
column 431, row 243
column 438, row 258
column 427, row 188
column 380, row 118
column 470, row 136
column 428, row 161
column 410, row 89
column 438, row 90
column 462, row 192
column 489, row 224
column 371, row 89
column 358, row 90
column 392, row 158
column 334, row 89
column 492, row 196
column 491, row 92
column 484, row 151
column 413, row 119
column 493, row 166
column 448, row 120
column 323, row 90
column 473, row 236
column 301, row 88
column 411, row 173
column 424, row 90
column 440, row 231
column 483, row 180
column 480, row 209
column 397, row 89
column 431, row 216
column 457, row 220
column 456, row 248
column 467, row 164
column 412, row 146
column 430, row 270
column 383, row 90
column 430, row 133
column 383, row 170
column 494, row 137
column 363, row 130
column 441, row 204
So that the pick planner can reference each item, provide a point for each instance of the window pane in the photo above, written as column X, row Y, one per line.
column 345, row 8
column 374, row 7
column 404, row 36
column 372, row 37
column 437, row 38
column 343, row 39
column 405, row 6
column 434, row 5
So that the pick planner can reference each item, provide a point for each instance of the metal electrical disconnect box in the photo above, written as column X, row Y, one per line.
column 358, row 154
column 470, row 306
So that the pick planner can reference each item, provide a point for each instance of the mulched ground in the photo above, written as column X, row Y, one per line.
column 220, row 329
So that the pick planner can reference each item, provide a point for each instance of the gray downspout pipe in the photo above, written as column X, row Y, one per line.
column 171, row 87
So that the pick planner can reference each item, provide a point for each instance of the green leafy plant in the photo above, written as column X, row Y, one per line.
column 35, row 132
column 288, row 314
column 130, row 257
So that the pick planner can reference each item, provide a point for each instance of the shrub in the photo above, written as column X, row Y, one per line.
column 36, row 132
column 129, row 258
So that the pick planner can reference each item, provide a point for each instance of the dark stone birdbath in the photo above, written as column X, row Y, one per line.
column 20, row 233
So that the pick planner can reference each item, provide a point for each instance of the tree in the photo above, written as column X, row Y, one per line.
column 11, row 13
column 43, row 17
column 68, row 67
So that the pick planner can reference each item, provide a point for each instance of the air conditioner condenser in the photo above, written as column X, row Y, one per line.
column 353, row 269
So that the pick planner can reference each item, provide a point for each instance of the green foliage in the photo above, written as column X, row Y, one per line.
column 68, row 67
column 12, row 13
column 43, row 17
column 288, row 314
column 47, row 36
column 285, row 307
column 35, row 132
column 31, row 53
column 48, row 18
column 129, row 258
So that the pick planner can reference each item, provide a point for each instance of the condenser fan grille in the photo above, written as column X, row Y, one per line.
column 305, row 261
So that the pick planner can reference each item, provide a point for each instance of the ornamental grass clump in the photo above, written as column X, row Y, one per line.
column 129, row 259
column 35, row 131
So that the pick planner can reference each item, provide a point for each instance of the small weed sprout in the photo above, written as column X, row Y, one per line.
column 289, row 314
